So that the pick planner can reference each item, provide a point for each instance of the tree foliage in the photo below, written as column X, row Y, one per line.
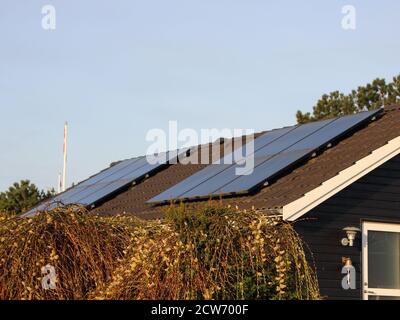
column 369, row 97
column 22, row 196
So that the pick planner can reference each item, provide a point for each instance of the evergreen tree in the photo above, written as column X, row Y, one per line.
column 369, row 97
column 21, row 197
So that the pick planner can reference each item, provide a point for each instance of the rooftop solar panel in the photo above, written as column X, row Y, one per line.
column 98, row 178
column 105, row 183
column 218, row 169
column 214, row 183
column 293, row 137
column 209, row 180
column 335, row 129
column 100, row 190
column 110, row 171
column 179, row 189
column 263, row 172
column 296, row 152
column 262, row 141
column 96, row 192
column 272, row 156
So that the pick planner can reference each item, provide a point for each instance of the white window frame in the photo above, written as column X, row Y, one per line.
column 375, row 226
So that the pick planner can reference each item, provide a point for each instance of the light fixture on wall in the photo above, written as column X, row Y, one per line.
column 351, row 233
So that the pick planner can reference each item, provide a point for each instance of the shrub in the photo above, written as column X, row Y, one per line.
column 83, row 249
column 213, row 253
column 205, row 253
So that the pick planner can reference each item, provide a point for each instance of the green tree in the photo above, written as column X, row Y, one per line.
column 369, row 97
column 22, row 196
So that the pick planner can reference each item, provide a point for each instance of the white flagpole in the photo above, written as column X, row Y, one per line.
column 59, row 184
column 64, row 178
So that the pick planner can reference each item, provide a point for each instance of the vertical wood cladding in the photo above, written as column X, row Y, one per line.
column 375, row 197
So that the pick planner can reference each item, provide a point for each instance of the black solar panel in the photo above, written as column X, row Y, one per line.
column 215, row 182
column 263, row 171
column 179, row 189
column 121, row 180
column 107, row 182
column 101, row 177
column 274, row 152
column 293, row 137
column 111, row 171
column 262, row 141
column 333, row 130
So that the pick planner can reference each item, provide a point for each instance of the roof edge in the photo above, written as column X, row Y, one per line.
column 344, row 178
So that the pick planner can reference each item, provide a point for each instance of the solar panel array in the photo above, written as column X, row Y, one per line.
column 274, row 152
column 108, row 181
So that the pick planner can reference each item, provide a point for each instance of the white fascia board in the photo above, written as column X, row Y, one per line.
column 329, row 188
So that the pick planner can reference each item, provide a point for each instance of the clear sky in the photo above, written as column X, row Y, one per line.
column 115, row 69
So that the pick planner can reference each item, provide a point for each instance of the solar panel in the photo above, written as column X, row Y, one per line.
column 177, row 190
column 216, row 169
column 293, row 137
column 259, row 143
column 107, row 182
column 296, row 152
column 101, row 176
column 212, row 178
column 110, row 171
column 121, row 180
column 273, row 155
column 96, row 193
column 333, row 130
column 105, row 179
column 263, row 172
column 214, row 183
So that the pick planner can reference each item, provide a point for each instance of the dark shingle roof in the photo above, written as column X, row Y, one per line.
column 284, row 190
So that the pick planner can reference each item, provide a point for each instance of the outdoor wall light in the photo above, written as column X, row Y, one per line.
column 351, row 235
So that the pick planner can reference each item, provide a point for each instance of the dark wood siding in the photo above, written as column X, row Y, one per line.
column 375, row 197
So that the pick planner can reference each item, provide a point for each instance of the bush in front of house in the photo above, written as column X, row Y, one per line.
column 213, row 253
column 210, row 252
column 83, row 249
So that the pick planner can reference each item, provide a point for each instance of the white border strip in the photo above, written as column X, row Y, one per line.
column 375, row 226
column 327, row 189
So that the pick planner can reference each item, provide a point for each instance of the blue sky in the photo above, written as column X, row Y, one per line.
column 115, row 69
